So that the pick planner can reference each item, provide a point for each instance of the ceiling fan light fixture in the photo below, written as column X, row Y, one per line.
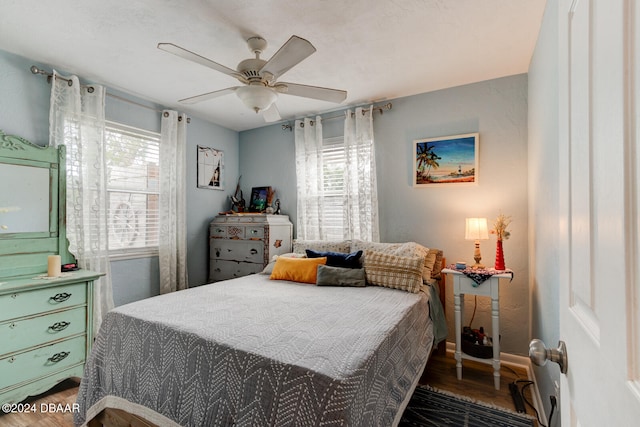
column 258, row 98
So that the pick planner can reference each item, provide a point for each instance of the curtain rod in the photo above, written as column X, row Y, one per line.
column 376, row 108
column 36, row 70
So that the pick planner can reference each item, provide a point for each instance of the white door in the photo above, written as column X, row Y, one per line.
column 598, row 142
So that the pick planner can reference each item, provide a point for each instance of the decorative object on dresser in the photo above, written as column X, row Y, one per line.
column 446, row 160
column 259, row 198
column 45, row 314
column 244, row 244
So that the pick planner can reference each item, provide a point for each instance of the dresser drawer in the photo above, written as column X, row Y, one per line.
column 254, row 232
column 41, row 361
column 223, row 270
column 217, row 231
column 41, row 300
column 238, row 250
column 27, row 332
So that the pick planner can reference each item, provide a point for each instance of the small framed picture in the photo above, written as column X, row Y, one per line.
column 210, row 168
column 259, row 197
column 446, row 160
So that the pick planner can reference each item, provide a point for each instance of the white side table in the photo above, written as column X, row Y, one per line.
column 464, row 285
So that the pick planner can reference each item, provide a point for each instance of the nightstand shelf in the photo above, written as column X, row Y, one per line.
column 463, row 285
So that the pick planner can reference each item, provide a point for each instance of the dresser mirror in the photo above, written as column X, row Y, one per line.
column 32, row 206
column 24, row 199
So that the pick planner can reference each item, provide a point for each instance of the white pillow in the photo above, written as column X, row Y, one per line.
column 269, row 268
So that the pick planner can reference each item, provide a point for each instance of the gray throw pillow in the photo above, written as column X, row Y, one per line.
column 340, row 276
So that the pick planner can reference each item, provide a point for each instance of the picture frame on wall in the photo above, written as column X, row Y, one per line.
column 259, row 198
column 446, row 160
column 211, row 174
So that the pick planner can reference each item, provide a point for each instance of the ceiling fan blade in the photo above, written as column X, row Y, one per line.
column 271, row 114
column 190, row 56
column 314, row 92
column 208, row 95
column 290, row 54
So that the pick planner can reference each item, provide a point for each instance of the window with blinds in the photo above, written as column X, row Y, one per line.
column 133, row 158
column 333, row 167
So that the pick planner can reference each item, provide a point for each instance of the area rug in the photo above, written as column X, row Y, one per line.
column 432, row 407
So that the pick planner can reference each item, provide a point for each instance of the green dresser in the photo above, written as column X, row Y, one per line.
column 45, row 332
column 45, row 323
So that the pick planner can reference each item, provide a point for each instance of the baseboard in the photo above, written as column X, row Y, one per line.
column 522, row 362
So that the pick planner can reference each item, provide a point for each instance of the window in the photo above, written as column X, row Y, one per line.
column 333, row 168
column 133, row 158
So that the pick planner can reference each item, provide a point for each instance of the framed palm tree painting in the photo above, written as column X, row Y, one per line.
column 446, row 160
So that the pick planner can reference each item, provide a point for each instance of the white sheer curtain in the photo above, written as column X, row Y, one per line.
column 308, row 145
column 173, row 203
column 361, row 188
column 76, row 120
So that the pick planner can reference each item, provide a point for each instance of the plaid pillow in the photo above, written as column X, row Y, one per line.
column 392, row 271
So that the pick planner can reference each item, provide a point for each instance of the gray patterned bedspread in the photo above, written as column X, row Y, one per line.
column 256, row 352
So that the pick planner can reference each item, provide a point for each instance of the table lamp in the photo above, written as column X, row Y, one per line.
column 476, row 229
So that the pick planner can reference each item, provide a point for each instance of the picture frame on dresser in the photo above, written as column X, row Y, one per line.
column 259, row 199
column 45, row 321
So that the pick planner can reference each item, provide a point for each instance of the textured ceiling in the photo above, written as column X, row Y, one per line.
column 373, row 49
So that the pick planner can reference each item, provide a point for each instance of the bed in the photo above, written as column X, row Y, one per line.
column 255, row 352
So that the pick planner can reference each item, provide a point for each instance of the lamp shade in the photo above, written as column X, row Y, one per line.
column 476, row 229
column 257, row 97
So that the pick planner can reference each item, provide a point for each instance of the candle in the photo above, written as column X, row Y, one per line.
column 53, row 265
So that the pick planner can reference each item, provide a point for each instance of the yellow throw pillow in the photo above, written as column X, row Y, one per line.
column 302, row 270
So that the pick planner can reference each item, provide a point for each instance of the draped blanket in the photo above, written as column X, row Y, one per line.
column 256, row 352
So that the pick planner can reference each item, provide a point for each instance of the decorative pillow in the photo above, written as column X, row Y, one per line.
column 392, row 271
column 269, row 268
column 340, row 276
column 296, row 269
column 429, row 262
column 408, row 249
column 337, row 259
column 343, row 246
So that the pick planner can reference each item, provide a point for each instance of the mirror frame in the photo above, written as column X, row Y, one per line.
column 26, row 253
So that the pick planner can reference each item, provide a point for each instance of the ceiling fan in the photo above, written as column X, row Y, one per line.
column 261, row 88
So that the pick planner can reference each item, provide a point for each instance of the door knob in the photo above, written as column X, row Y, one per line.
column 540, row 354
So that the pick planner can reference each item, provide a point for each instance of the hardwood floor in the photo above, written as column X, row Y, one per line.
column 477, row 380
column 477, row 383
column 44, row 415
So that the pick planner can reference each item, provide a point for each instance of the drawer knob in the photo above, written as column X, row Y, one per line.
column 254, row 231
column 59, row 326
column 253, row 251
column 58, row 357
column 60, row 297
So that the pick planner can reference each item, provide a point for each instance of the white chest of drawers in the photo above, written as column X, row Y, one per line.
column 45, row 332
column 243, row 244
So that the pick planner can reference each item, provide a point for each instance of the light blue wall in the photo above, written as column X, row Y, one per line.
column 434, row 217
column 543, row 196
column 24, row 111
